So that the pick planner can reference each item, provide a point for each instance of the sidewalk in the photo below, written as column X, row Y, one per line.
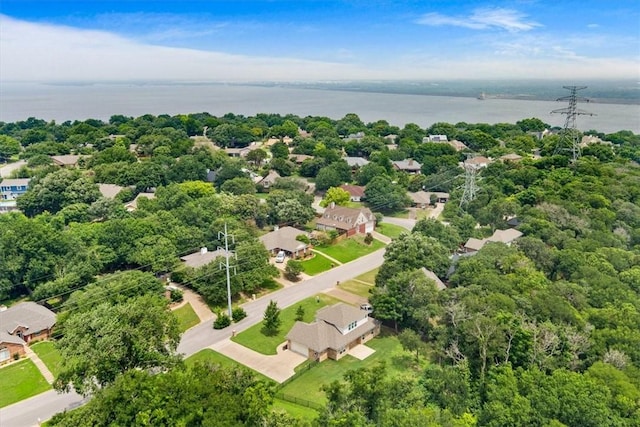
column 197, row 303
column 46, row 373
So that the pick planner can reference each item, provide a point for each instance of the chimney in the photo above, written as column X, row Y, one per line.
column 276, row 227
column 203, row 250
column 410, row 162
column 332, row 205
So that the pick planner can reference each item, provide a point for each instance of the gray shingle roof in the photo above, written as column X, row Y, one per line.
column 284, row 238
column 30, row 315
column 202, row 257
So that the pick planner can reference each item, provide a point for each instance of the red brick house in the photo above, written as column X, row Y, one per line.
column 21, row 324
column 346, row 220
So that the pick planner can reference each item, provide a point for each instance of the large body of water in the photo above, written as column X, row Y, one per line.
column 101, row 101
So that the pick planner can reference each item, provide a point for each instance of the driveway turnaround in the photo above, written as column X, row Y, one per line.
column 278, row 367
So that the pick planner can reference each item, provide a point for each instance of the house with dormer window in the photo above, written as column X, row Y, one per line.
column 346, row 220
column 336, row 330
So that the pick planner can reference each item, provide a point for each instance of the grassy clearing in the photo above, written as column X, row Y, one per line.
column 211, row 356
column 49, row 354
column 356, row 288
column 399, row 214
column 187, row 318
column 19, row 381
column 254, row 339
column 369, row 276
column 349, row 249
column 388, row 349
column 294, row 410
column 390, row 230
column 317, row 264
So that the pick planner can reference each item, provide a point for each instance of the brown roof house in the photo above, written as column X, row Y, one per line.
column 409, row 165
column 66, row 161
column 422, row 199
column 346, row 220
column 21, row 324
column 269, row 180
column 133, row 205
column 284, row 238
column 109, row 191
column 336, row 330
column 503, row 236
column 356, row 192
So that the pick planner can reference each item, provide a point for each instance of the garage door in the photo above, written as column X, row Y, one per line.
column 369, row 227
column 300, row 349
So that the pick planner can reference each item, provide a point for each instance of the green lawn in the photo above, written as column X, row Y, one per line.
column 254, row 339
column 388, row 349
column 186, row 317
column 19, row 381
column 47, row 351
column 316, row 265
column 399, row 214
column 349, row 249
column 294, row 410
column 390, row 230
column 369, row 276
column 356, row 288
column 212, row 356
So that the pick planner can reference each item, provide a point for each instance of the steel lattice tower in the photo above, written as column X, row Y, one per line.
column 470, row 186
column 570, row 138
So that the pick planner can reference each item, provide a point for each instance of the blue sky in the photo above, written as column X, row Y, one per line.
column 93, row 40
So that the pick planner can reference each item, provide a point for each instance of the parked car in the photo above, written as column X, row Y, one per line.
column 366, row 307
column 280, row 257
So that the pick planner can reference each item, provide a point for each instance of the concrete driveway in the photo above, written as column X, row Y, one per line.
column 278, row 367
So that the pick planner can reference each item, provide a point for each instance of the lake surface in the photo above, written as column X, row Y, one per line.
column 20, row 101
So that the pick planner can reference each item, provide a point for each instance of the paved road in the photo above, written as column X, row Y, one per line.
column 204, row 335
column 43, row 406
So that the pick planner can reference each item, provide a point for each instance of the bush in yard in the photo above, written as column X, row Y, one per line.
column 300, row 313
column 333, row 235
column 368, row 239
column 272, row 319
column 176, row 295
column 222, row 321
column 238, row 314
column 303, row 238
column 292, row 270
column 179, row 276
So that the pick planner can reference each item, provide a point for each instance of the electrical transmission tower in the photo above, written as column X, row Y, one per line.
column 570, row 138
column 470, row 185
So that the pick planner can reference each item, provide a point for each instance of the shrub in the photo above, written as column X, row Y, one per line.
column 300, row 313
column 222, row 321
column 303, row 238
column 368, row 238
column 16, row 356
column 238, row 314
column 176, row 295
column 179, row 276
column 292, row 270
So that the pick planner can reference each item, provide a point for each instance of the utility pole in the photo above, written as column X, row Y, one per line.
column 570, row 134
column 227, row 255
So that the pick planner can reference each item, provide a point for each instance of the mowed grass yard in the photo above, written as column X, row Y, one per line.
column 349, row 249
column 388, row 349
column 391, row 230
column 211, row 356
column 317, row 264
column 19, row 381
column 49, row 354
column 187, row 318
column 356, row 288
column 254, row 339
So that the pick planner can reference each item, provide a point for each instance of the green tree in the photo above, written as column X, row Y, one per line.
column 271, row 323
column 335, row 195
column 257, row 156
column 300, row 313
column 101, row 344
column 411, row 342
column 8, row 147
column 279, row 150
column 239, row 185
column 382, row 195
column 293, row 269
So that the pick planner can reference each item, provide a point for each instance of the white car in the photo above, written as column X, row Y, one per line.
column 366, row 307
column 280, row 257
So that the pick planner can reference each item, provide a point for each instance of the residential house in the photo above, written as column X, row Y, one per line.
column 409, row 166
column 335, row 330
column 285, row 239
column 299, row 158
column 356, row 192
column 354, row 136
column 503, row 236
column 346, row 220
column 442, row 139
column 511, row 157
column 356, row 162
column 269, row 180
column 391, row 138
column 237, row 152
column 478, row 162
column 202, row 257
column 21, row 324
column 287, row 140
column 133, row 205
column 422, row 199
column 458, row 145
column 66, row 161
column 109, row 191
column 431, row 275
column 10, row 189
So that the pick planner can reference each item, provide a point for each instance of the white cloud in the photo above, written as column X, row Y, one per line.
column 482, row 19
